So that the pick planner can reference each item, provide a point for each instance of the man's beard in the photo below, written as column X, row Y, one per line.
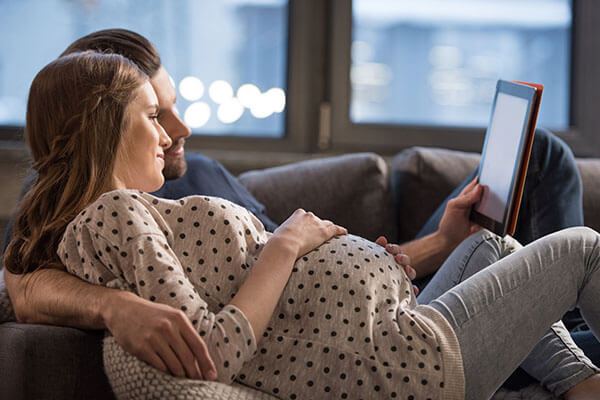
column 175, row 167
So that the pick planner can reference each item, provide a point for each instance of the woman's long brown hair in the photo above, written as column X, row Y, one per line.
column 75, row 117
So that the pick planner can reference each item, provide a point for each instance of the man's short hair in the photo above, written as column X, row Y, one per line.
column 123, row 42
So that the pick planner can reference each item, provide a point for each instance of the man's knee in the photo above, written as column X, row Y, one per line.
column 552, row 151
column 552, row 158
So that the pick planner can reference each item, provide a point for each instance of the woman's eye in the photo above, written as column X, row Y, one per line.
column 153, row 116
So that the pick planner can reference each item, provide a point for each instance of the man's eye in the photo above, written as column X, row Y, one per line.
column 153, row 116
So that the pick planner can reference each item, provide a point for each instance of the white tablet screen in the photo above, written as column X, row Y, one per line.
column 501, row 152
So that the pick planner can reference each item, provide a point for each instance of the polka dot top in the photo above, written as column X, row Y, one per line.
column 346, row 326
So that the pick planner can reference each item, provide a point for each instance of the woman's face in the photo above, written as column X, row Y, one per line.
column 141, row 158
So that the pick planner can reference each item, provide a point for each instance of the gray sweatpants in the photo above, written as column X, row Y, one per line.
column 503, row 301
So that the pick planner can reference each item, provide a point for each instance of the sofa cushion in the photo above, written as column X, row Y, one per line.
column 352, row 190
column 422, row 178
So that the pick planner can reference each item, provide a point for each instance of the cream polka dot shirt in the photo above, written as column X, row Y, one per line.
column 347, row 324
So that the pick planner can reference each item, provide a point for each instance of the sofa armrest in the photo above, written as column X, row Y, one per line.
column 51, row 362
column 351, row 190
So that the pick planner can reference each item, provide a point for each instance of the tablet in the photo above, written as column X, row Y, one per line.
column 505, row 155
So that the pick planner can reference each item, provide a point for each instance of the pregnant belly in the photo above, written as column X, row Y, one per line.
column 346, row 278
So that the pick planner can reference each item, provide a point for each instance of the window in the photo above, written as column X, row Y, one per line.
column 430, row 62
column 227, row 59
column 423, row 73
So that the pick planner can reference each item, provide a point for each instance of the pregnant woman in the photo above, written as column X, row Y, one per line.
column 307, row 310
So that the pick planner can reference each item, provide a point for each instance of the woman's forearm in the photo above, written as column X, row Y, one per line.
column 260, row 293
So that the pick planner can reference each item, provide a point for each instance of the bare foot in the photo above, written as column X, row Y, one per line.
column 588, row 389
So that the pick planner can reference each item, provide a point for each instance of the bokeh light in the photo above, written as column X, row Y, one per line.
column 276, row 99
column 197, row 114
column 247, row 94
column 220, row 91
column 262, row 107
column 230, row 111
column 191, row 88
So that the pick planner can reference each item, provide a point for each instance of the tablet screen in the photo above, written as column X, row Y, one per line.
column 501, row 153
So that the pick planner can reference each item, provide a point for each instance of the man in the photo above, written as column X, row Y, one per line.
column 162, row 336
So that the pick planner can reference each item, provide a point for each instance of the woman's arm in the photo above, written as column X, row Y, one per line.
column 148, row 264
column 298, row 235
column 51, row 296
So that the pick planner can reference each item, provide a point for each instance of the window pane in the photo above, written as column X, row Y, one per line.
column 436, row 62
column 211, row 49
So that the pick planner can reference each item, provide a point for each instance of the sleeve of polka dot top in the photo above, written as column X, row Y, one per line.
column 147, row 265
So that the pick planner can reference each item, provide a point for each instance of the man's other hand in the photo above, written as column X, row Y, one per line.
column 401, row 259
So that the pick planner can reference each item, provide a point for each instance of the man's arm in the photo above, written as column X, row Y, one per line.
column 44, row 297
column 50, row 296
column 428, row 253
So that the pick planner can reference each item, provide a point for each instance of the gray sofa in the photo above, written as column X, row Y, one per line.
column 360, row 191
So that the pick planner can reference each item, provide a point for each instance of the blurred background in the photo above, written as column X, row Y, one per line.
column 427, row 62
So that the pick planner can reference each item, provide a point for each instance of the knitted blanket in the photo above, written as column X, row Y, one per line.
column 133, row 379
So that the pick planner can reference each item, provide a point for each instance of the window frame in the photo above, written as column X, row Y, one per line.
column 389, row 139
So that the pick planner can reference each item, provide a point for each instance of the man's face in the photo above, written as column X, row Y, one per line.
column 168, row 117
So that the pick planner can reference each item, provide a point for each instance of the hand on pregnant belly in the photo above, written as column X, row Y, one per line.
column 400, row 258
column 303, row 231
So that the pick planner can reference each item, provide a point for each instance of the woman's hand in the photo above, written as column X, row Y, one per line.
column 401, row 259
column 303, row 231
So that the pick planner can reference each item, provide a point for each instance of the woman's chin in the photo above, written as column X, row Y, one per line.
column 157, row 185
column 149, row 187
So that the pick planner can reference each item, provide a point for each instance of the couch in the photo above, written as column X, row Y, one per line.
column 363, row 192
